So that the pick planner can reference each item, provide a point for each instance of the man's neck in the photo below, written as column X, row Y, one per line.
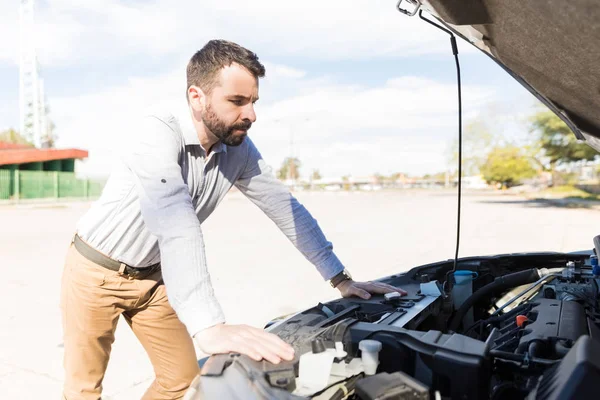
column 207, row 138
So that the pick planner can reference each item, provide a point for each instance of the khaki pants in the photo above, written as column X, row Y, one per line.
column 92, row 299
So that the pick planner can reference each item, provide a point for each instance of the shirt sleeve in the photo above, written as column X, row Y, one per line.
column 258, row 183
column 168, row 212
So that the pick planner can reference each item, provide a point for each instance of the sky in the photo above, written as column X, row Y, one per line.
column 356, row 86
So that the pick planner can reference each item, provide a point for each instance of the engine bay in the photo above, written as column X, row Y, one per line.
column 505, row 327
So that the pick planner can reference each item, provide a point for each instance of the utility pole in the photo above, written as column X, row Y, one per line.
column 33, row 119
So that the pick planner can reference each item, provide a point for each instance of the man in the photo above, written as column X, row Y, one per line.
column 142, row 240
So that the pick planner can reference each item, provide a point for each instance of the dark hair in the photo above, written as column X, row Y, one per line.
column 204, row 66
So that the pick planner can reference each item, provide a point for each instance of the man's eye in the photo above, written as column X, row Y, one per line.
column 236, row 102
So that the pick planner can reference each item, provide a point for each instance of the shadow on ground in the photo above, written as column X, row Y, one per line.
column 549, row 203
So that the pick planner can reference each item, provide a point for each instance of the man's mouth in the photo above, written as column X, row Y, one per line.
column 242, row 128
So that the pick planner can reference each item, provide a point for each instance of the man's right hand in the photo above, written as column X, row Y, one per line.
column 253, row 342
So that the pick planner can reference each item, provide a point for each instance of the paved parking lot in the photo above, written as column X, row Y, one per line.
column 256, row 272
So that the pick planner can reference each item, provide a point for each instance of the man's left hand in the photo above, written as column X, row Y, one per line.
column 364, row 290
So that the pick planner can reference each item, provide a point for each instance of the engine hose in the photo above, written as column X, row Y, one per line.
column 535, row 349
column 500, row 284
column 521, row 358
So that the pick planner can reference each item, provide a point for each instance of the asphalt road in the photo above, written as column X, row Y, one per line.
column 256, row 272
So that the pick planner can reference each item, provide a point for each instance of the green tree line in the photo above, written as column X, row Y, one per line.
column 550, row 145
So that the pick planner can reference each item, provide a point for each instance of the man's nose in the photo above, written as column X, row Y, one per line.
column 249, row 114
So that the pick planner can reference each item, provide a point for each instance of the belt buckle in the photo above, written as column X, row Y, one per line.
column 133, row 273
column 126, row 270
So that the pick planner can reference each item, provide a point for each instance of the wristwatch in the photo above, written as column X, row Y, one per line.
column 339, row 278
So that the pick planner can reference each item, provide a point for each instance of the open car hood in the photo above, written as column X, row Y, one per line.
column 551, row 47
column 432, row 346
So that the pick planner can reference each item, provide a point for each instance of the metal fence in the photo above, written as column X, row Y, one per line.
column 16, row 185
column 5, row 183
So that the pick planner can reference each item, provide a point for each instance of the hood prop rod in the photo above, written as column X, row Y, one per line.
column 455, row 53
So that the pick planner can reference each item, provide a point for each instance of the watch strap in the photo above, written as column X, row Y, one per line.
column 339, row 278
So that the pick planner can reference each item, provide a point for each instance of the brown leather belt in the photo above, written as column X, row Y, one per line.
column 98, row 258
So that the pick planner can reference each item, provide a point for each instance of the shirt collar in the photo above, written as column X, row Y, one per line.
column 190, row 136
column 219, row 147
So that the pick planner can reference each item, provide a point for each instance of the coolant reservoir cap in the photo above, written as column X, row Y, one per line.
column 370, row 346
column 464, row 276
column 463, row 272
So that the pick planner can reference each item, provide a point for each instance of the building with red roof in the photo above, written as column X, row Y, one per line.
column 23, row 157
column 27, row 172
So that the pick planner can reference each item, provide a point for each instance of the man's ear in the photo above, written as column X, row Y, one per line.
column 196, row 97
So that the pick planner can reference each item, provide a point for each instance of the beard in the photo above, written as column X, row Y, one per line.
column 224, row 132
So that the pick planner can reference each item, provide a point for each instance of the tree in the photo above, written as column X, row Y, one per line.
column 14, row 137
column 477, row 143
column 49, row 139
column 290, row 169
column 316, row 175
column 558, row 142
column 378, row 178
column 346, row 182
column 395, row 176
column 439, row 176
column 508, row 166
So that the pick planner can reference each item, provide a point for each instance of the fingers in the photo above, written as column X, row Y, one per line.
column 357, row 291
column 377, row 288
column 258, row 344
column 249, row 350
column 265, row 352
column 394, row 289
column 253, row 348
column 274, row 340
column 253, row 342
column 382, row 288
column 364, row 289
column 273, row 344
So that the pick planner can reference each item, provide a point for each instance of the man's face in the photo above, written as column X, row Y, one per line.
column 229, row 109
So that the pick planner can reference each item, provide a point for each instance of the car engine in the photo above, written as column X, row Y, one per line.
column 516, row 326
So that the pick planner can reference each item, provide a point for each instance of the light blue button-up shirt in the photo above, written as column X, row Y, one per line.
column 162, row 189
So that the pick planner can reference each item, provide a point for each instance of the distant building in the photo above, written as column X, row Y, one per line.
column 32, row 173
column 25, row 158
column 474, row 182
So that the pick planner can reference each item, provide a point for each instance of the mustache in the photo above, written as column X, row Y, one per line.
column 245, row 125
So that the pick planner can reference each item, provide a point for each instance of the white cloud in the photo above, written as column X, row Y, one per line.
column 83, row 32
column 402, row 125
column 9, row 29
column 283, row 71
